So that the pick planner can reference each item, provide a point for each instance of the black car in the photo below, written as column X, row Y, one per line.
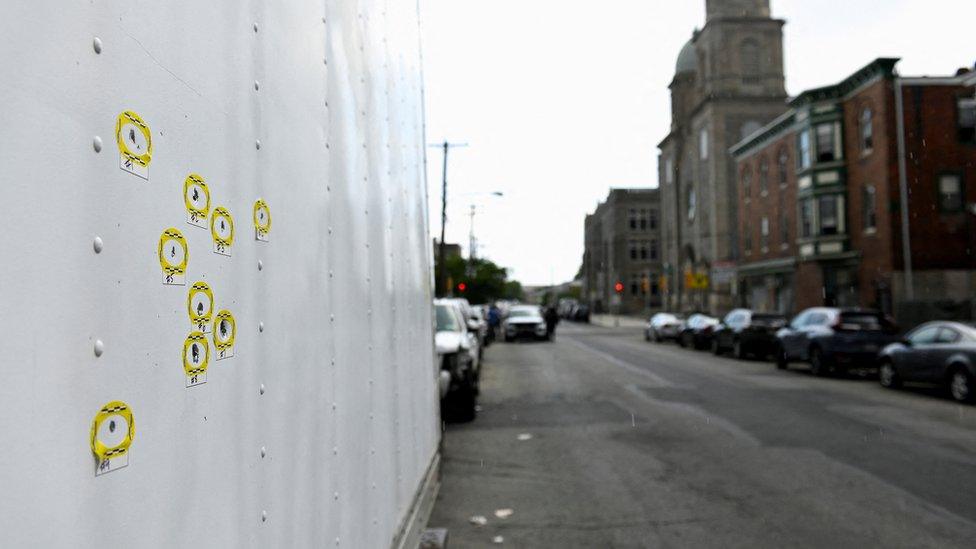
column 936, row 352
column 747, row 333
column 835, row 340
column 696, row 332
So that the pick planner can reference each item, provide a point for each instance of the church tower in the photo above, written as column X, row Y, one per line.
column 729, row 82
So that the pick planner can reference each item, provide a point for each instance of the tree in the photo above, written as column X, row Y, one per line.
column 483, row 280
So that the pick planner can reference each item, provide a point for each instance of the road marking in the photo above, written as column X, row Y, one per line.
column 656, row 379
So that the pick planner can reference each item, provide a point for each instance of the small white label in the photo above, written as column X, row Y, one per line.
column 197, row 379
column 134, row 168
column 203, row 326
column 174, row 279
column 108, row 465
column 196, row 219
column 260, row 236
column 221, row 249
column 226, row 352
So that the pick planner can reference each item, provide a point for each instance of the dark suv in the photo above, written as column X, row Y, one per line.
column 746, row 333
column 835, row 340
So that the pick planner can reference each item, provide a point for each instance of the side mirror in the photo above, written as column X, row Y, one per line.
column 473, row 325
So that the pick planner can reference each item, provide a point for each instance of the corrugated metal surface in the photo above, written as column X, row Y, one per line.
column 315, row 108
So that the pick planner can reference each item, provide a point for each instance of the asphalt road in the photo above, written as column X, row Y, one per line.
column 603, row 440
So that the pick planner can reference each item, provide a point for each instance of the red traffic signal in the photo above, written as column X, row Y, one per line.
column 462, row 287
column 619, row 287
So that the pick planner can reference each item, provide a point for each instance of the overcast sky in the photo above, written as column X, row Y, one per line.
column 559, row 100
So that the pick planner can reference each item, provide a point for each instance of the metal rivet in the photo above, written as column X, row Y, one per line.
column 257, row 144
column 97, row 245
column 97, row 44
column 257, row 85
column 264, row 516
column 260, row 326
column 255, row 27
column 260, row 265
column 336, row 496
column 97, row 144
column 261, row 389
column 99, row 347
column 264, row 451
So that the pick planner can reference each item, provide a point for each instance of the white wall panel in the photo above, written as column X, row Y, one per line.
column 348, row 417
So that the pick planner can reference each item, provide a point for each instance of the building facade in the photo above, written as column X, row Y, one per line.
column 622, row 245
column 728, row 84
column 862, row 195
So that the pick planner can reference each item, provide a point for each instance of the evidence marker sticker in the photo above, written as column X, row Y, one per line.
column 173, row 255
column 112, row 432
column 134, row 139
column 224, row 331
column 196, row 356
column 262, row 221
column 199, row 305
column 222, row 230
column 196, row 198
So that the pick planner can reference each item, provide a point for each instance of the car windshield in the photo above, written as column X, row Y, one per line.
column 871, row 322
column 446, row 319
column 517, row 313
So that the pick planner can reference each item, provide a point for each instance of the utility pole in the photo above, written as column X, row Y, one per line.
column 441, row 274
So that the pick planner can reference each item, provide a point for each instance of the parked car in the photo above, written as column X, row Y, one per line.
column 663, row 326
column 747, row 333
column 834, row 339
column 524, row 321
column 457, row 355
column 696, row 332
column 580, row 313
column 480, row 317
column 936, row 352
column 474, row 322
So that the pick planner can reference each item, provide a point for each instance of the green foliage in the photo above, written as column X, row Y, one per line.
column 485, row 280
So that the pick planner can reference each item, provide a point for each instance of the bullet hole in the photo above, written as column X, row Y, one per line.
column 196, row 353
column 111, row 426
column 196, row 194
column 223, row 328
column 200, row 308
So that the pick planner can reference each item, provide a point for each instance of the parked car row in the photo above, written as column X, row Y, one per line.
column 835, row 341
column 460, row 337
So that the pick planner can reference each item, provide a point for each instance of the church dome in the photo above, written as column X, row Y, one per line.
column 687, row 60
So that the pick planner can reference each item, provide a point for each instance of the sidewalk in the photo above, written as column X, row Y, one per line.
column 614, row 321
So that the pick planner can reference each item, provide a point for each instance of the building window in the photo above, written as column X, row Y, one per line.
column 804, row 159
column 668, row 171
column 764, row 176
column 869, row 206
column 782, row 164
column 764, row 234
column 746, row 237
column 829, row 218
column 825, row 143
column 643, row 220
column 806, row 218
column 950, row 193
column 867, row 131
column 632, row 217
column 655, row 284
column 692, row 204
column 751, row 59
column 703, row 144
column 653, row 250
column 967, row 120
column 746, row 183
column 632, row 249
column 784, row 221
column 652, row 219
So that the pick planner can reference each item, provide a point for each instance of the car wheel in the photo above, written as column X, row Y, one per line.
column 887, row 375
column 657, row 338
column 737, row 350
column 817, row 365
column 782, row 361
column 682, row 341
column 509, row 339
column 716, row 348
column 961, row 385
column 647, row 335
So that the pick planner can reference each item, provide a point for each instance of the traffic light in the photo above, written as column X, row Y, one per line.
column 619, row 287
column 462, row 287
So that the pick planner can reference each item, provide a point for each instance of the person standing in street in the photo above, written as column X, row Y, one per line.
column 551, row 318
column 494, row 321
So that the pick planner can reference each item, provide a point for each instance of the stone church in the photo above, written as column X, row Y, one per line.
column 728, row 83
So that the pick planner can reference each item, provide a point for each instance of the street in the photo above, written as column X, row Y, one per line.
column 604, row 440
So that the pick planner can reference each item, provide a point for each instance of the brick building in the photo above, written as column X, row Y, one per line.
column 622, row 243
column 728, row 83
column 825, row 190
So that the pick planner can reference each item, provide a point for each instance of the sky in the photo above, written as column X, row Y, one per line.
column 560, row 100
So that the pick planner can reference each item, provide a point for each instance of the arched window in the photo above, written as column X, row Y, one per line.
column 867, row 130
column 750, row 57
column 764, row 176
column 782, row 165
column 746, row 183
